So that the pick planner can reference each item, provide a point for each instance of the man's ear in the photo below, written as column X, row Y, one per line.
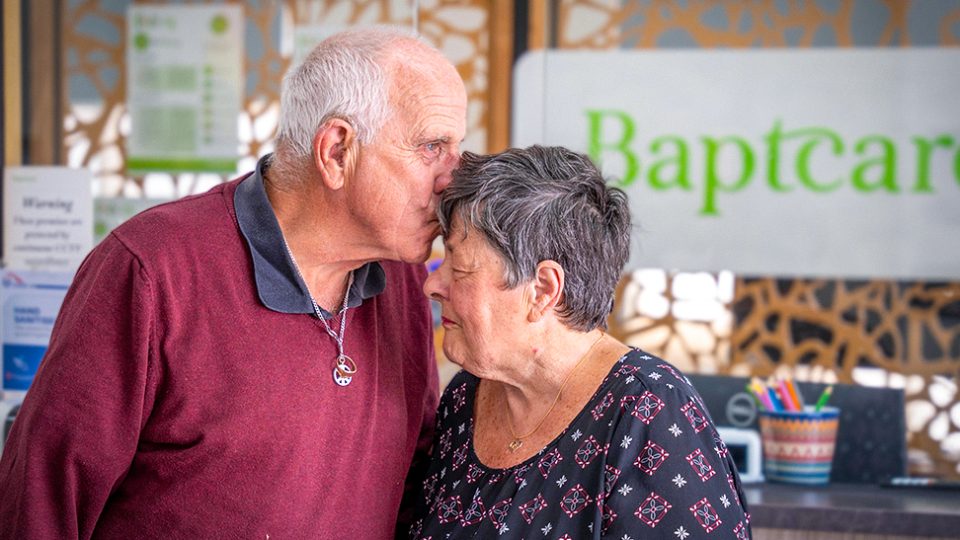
column 546, row 290
column 334, row 151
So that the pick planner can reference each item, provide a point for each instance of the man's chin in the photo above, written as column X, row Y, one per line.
column 415, row 257
column 423, row 254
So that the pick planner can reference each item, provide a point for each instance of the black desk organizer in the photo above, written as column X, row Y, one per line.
column 871, row 439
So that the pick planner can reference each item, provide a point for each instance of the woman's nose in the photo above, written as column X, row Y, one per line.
column 433, row 286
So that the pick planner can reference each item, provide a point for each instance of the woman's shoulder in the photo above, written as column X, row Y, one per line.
column 647, row 387
column 638, row 372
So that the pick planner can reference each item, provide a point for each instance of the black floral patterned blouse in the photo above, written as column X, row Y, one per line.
column 641, row 460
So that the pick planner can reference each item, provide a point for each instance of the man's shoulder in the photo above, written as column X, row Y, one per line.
column 189, row 228
column 177, row 221
column 185, row 208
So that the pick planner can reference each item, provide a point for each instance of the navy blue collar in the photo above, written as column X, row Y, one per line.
column 279, row 285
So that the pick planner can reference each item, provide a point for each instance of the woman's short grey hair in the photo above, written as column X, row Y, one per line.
column 546, row 203
column 343, row 77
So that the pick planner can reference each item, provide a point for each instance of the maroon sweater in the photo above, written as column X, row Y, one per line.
column 172, row 403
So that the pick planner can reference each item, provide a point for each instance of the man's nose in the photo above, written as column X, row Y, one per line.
column 442, row 182
column 451, row 163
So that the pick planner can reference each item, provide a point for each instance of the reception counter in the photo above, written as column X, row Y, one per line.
column 851, row 511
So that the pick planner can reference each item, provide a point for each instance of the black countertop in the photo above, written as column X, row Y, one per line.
column 864, row 509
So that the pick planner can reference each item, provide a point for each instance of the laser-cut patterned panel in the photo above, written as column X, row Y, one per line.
column 828, row 330
column 96, row 122
column 832, row 330
column 685, row 317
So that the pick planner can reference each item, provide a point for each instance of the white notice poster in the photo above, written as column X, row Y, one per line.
column 184, row 87
column 47, row 218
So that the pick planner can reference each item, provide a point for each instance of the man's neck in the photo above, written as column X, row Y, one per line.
column 317, row 235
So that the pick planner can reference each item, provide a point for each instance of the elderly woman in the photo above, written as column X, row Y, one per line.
column 555, row 429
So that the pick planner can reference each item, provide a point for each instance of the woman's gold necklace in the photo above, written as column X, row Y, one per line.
column 517, row 442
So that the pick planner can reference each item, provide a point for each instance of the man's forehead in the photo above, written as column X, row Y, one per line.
column 417, row 62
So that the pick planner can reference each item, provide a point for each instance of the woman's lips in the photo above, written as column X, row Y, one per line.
column 447, row 323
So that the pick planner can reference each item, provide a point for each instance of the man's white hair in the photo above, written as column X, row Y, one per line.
column 343, row 77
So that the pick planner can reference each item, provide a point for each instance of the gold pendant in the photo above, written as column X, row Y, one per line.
column 515, row 445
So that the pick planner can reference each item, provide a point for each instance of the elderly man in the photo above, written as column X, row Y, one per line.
column 240, row 363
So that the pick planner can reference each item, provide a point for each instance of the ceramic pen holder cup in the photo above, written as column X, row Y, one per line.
column 798, row 446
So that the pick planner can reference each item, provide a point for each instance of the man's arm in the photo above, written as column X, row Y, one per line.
column 77, row 431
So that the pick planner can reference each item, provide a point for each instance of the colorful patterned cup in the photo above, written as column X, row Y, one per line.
column 798, row 446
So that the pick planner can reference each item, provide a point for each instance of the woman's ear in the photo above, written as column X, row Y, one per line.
column 546, row 290
column 335, row 152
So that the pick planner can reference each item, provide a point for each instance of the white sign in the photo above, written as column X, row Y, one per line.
column 47, row 218
column 842, row 163
column 184, row 87
column 30, row 302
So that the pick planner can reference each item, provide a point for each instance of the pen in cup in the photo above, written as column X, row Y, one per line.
column 760, row 394
column 785, row 397
column 824, row 397
column 795, row 394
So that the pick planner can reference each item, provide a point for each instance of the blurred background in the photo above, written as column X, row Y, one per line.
column 78, row 93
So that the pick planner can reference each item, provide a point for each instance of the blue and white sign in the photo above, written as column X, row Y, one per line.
column 30, row 302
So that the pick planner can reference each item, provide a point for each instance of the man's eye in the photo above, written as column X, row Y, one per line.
column 433, row 148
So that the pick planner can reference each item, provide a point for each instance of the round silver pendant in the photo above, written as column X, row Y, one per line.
column 344, row 371
column 340, row 378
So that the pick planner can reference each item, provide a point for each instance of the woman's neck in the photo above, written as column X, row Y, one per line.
column 517, row 417
column 549, row 367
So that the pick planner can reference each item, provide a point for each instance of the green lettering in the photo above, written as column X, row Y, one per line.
column 773, row 158
column 925, row 149
column 886, row 162
column 679, row 161
column 956, row 166
column 803, row 157
column 713, row 181
column 597, row 146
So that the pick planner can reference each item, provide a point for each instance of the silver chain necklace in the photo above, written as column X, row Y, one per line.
column 345, row 368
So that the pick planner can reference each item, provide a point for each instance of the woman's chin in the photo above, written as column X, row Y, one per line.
column 452, row 357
